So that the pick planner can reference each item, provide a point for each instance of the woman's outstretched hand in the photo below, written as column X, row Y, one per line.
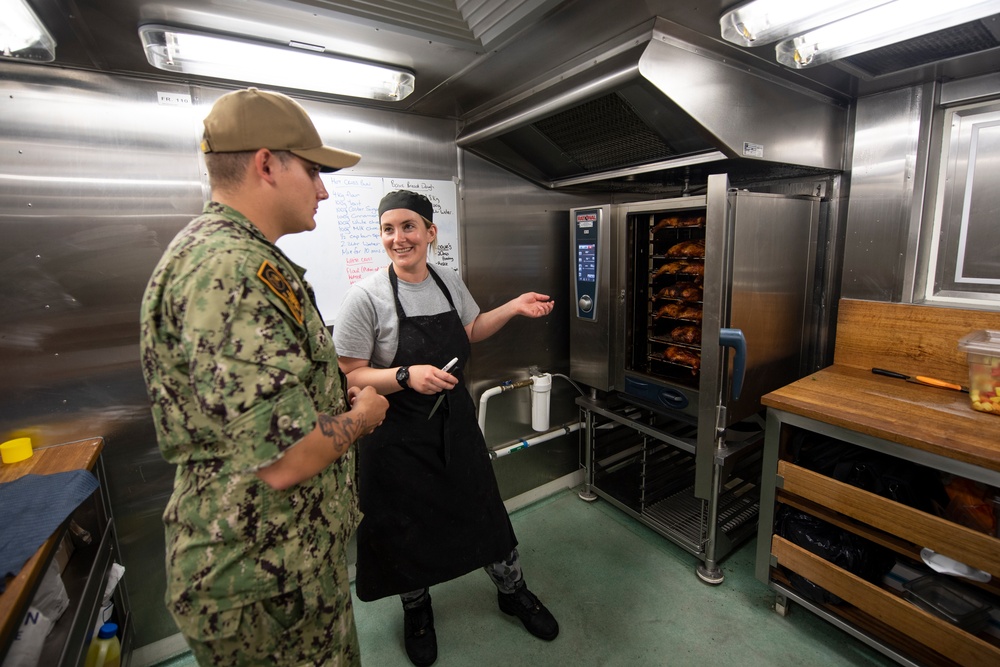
column 529, row 304
column 533, row 304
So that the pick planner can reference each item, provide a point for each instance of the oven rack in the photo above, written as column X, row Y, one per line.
column 669, row 341
column 656, row 231
column 653, row 298
column 653, row 229
column 656, row 274
column 661, row 318
column 664, row 360
column 656, row 298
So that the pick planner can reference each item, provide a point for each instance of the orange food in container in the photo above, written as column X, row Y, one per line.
column 983, row 350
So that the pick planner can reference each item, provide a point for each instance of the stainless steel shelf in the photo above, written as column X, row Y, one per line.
column 643, row 461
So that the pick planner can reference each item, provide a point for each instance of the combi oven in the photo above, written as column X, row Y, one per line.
column 687, row 311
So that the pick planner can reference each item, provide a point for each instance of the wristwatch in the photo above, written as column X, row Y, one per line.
column 403, row 377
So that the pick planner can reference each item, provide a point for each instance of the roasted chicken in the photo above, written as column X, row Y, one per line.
column 680, row 311
column 694, row 248
column 675, row 221
column 688, row 333
column 682, row 356
column 681, row 268
column 687, row 291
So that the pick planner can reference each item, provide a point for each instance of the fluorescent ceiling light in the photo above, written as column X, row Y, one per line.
column 22, row 35
column 887, row 24
column 765, row 21
column 300, row 66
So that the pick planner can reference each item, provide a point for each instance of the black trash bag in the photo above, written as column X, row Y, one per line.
column 843, row 548
column 905, row 482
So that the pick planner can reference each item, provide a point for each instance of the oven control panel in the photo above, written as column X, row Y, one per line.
column 586, row 234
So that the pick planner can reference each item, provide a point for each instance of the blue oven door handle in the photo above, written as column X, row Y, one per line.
column 734, row 338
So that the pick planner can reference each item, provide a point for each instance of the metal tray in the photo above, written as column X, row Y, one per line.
column 932, row 593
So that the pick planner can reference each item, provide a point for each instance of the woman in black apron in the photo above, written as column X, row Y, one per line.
column 432, row 510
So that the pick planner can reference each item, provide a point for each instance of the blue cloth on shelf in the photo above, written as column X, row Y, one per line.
column 33, row 507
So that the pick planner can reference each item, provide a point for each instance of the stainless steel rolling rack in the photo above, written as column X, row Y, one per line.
column 642, row 461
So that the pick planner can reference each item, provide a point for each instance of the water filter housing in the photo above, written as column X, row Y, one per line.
column 540, row 399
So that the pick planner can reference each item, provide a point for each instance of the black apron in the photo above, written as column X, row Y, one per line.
column 432, row 509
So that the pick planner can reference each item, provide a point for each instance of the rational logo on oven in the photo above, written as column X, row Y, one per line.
column 586, row 219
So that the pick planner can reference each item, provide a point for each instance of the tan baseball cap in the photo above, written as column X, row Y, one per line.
column 251, row 119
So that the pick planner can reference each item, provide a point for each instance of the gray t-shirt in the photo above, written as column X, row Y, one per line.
column 367, row 326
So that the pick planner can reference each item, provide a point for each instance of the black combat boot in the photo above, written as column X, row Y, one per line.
column 418, row 633
column 536, row 618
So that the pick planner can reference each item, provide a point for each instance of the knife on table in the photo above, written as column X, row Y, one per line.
column 446, row 368
column 921, row 379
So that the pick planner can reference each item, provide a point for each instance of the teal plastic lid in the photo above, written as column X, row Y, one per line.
column 107, row 631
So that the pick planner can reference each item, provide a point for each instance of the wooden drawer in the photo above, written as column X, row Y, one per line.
column 924, row 530
column 935, row 633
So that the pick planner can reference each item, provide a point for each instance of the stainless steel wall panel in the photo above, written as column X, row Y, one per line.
column 888, row 132
column 515, row 240
column 96, row 178
column 903, row 177
column 970, row 89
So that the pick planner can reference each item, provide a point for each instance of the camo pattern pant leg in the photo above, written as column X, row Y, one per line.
column 506, row 573
column 308, row 627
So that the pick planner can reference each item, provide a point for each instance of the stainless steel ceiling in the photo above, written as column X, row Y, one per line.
column 467, row 54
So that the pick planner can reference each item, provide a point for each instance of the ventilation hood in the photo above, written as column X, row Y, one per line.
column 654, row 103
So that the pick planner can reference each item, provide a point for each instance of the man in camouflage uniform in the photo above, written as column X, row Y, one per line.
column 248, row 402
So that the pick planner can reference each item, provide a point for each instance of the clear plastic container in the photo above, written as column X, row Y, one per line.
column 105, row 649
column 983, row 350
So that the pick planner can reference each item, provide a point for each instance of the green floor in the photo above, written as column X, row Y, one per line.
column 623, row 595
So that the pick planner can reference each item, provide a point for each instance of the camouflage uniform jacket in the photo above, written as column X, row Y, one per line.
column 237, row 363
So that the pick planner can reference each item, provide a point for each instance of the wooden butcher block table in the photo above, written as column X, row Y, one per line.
column 930, row 426
column 86, row 572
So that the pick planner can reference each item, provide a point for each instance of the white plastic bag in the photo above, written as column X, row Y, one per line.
column 51, row 598
column 26, row 649
column 107, row 604
column 47, row 606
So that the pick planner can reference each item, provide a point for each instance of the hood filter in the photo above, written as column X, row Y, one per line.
column 602, row 134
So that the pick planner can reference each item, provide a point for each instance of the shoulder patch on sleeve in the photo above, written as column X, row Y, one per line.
column 272, row 277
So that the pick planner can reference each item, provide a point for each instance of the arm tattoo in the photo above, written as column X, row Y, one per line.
column 339, row 429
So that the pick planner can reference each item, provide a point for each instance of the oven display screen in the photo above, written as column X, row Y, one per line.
column 586, row 262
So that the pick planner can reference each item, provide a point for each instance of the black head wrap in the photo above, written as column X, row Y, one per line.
column 408, row 200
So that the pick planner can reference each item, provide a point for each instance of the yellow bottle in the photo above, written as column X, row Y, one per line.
column 105, row 650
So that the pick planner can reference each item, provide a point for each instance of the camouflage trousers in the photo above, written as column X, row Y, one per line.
column 506, row 574
column 297, row 629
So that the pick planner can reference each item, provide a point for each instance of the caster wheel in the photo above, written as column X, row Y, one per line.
column 713, row 576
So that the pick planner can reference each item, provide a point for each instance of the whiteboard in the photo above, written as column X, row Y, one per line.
column 345, row 246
